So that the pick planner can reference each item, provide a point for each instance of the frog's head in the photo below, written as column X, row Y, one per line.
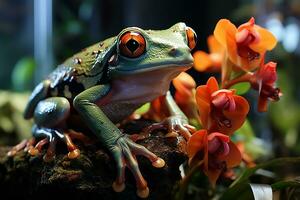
column 139, row 51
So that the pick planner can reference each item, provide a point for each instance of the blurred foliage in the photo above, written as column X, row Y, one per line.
column 13, row 127
column 285, row 116
column 241, row 88
column 23, row 74
column 255, row 146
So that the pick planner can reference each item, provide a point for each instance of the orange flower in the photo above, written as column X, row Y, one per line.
column 264, row 80
column 185, row 94
column 158, row 110
column 220, row 110
column 215, row 150
column 211, row 62
column 245, row 45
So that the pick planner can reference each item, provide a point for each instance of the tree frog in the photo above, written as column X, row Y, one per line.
column 105, row 83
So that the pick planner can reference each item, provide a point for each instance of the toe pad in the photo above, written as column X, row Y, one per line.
column 159, row 163
column 118, row 187
column 74, row 154
column 143, row 193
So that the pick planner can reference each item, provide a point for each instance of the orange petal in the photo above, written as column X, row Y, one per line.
column 184, row 80
column 223, row 30
column 196, row 143
column 184, row 85
column 234, row 157
column 267, row 40
column 225, row 34
column 212, row 84
column 214, row 46
column 202, row 61
column 247, row 25
column 238, row 116
column 203, row 102
column 203, row 94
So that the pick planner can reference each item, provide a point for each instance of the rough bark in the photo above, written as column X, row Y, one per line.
column 91, row 175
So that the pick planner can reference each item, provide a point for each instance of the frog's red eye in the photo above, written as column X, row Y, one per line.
column 192, row 37
column 132, row 44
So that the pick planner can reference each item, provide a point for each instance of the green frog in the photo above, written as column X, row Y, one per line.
column 105, row 83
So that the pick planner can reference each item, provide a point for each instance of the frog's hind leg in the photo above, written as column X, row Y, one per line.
column 50, row 116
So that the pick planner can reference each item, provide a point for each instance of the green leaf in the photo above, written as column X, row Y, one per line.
column 241, row 88
column 143, row 109
column 240, row 184
column 286, row 184
column 275, row 162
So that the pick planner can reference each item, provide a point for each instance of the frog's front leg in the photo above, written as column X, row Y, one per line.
column 121, row 147
column 177, row 122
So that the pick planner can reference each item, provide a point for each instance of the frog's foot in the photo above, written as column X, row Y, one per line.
column 22, row 145
column 50, row 154
column 174, row 125
column 50, row 137
column 124, row 153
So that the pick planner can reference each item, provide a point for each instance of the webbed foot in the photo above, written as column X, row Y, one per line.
column 124, row 153
column 34, row 147
column 174, row 125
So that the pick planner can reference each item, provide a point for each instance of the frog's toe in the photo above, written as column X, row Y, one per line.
column 38, row 147
column 175, row 125
column 118, row 187
column 143, row 193
column 141, row 183
column 74, row 152
column 30, row 144
column 119, row 184
column 141, row 150
column 50, row 154
column 17, row 148
column 125, row 152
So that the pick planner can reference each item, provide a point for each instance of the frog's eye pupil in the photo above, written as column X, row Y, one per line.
column 132, row 44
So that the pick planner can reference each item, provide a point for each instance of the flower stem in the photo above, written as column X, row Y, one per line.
column 244, row 78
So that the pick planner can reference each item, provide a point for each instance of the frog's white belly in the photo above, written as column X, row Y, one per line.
column 131, row 91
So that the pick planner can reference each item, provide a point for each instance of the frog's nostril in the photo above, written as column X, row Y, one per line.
column 173, row 51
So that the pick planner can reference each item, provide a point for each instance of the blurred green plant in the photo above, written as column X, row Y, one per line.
column 13, row 127
column 23, row 74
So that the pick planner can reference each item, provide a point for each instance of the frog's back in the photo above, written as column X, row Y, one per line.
column 79, row 72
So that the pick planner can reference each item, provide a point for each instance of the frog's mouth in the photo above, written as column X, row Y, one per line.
column 171, row 67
